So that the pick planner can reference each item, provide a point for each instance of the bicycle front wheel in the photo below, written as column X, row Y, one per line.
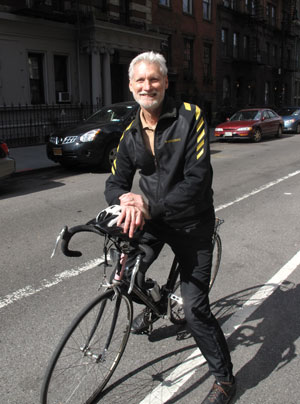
column 216, row 259
column 89, row 351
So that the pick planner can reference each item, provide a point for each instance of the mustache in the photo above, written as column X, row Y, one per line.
column 147, row 93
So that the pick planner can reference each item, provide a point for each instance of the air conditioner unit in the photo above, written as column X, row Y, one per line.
column 63, row 97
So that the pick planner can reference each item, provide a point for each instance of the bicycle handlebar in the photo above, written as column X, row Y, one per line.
column 67, row 234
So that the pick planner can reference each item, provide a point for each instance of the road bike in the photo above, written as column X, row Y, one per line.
column 92, row 346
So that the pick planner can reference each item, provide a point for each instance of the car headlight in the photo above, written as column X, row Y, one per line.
column 90, row 135
column 52, row 139
column 218, row 130
column 289, row 121
column 244, row 129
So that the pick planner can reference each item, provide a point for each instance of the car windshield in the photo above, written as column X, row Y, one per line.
column 246, row 116
column 289, row 111
column 111, row 114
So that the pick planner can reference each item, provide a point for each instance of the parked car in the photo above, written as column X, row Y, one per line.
column 251, row 124
column 291, row 119
column 95, row 140
column 7, row 163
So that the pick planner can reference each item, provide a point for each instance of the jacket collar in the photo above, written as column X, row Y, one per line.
column 169, row 110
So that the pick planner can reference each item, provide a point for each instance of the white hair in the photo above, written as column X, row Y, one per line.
column 150, row 57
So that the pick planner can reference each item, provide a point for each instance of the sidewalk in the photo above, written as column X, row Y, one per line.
column 30, row 158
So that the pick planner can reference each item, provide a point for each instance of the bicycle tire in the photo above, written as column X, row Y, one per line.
column 89, row 351
column 216, row 259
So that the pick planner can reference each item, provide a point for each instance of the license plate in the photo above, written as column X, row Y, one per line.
column 228, row 134
column 57, row 152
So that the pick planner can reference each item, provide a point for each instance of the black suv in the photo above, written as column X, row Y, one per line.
column 95, row 140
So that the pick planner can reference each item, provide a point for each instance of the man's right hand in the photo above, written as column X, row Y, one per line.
column 134, row 212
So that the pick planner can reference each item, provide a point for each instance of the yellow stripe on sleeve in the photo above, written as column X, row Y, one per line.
column 187, row 106
column 198, row 112
column 200, row 124
column 200, row 145
column 200, row 153
column 201, row 136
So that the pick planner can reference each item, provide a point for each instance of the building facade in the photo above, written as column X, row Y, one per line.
column 63, row 51
column 221, row 54
column 257, row 54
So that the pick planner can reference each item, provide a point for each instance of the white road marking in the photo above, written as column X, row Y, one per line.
column 257, row 190
column 30, row 290
column 165, row 390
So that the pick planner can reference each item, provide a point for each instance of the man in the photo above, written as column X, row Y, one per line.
column 169, row 145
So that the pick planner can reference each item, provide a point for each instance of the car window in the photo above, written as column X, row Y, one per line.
column 112, row 114
column 246, row 115
column 272, row 114
column 266, row 115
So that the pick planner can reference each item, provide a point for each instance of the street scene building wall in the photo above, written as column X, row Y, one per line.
column 222, row 55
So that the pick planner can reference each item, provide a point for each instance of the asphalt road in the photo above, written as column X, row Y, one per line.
column 256, row 296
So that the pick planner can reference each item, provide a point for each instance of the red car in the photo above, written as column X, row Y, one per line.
column 251, row 124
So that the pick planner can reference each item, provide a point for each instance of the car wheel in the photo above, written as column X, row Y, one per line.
column 110, row 155
column 279, row 132
column 298, row 129
column 257, row 136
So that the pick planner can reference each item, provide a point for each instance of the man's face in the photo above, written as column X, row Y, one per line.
column 148, row 85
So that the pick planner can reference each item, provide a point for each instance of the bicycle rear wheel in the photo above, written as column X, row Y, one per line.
column 216, row 259
column 89, row 351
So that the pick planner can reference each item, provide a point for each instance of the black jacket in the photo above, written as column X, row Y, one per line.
column 177, row 181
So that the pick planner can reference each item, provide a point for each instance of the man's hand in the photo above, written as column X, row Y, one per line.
column 136, row 200
column 134, row 212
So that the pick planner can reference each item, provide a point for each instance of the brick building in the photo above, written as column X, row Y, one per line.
column 257, row 54
column 222, row 54
column 190, row 49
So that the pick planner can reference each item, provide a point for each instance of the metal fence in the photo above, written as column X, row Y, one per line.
column 31, row 125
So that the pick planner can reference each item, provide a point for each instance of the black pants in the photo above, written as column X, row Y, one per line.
column 193, row 249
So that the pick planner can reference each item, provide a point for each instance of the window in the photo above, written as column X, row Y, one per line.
column 60, row 75
column 165, row 3
column 235, row 45
column 187, row 6
column 226, row 91
column 267, row 93
column 230, row 4
column 207, row 10
column 36, row 78
column 188, row 58
column 207, row 51
column 224, row 41
column 297, row 93
column 274, row 55
column 250, row 6
column 268, row 53
column 246, row 47
column 271, row 14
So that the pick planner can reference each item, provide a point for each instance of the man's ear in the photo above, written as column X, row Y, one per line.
column 130, row 86
column 167, row 82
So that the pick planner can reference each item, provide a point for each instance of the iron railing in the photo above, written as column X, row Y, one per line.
column 32, row 124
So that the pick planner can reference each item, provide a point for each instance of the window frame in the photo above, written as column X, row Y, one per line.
column 37, row 97
column 164, row 3
column 207, row 10
column 187, row 7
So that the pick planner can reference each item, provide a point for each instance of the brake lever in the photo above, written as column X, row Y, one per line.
column 59, row 237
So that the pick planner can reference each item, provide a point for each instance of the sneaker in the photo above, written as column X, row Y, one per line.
column 143, row 321
column 221, row 393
